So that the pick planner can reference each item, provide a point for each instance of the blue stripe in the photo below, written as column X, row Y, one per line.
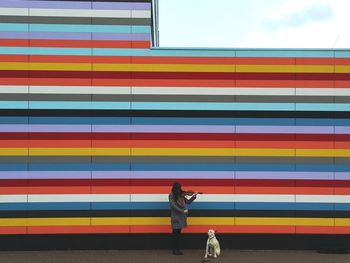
column 13, row 120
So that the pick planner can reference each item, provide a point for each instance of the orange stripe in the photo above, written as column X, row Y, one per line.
column 14, row 42
column 166, row 229
column 76, row 229
column 13, row 230
column 321, row 230
column 14, row 58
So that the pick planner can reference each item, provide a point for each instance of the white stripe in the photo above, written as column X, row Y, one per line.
column 14, row 11
column 173, row 90
column 140, row 13
column 79, row 198
column 264, row 198
column 14, row 89
column 13, row 198
column 90, row 13
column 323, row 198
column 79, row 90
column 211, row 91
column 323, row 92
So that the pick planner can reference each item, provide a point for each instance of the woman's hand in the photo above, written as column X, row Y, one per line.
column 186, row 211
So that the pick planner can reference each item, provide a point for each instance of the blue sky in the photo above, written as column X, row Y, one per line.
column 255, row 23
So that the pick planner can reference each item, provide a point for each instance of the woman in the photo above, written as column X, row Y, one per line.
column 178, row 207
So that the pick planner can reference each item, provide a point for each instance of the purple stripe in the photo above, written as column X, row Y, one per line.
column 121, row 6
column 76, row 35
column 286, row 129
column 45, row 174
column 13, row 175
column 161, row 174
column 74, row 5
column 163, row 128
column 14, row 128
column 342, row 176
column 46, row 35
column 342, row 130
column 120, row 36
column 111, row 174
column 45, row 4
column 285, row 175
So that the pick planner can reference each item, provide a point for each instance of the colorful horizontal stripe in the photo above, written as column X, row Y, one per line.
column 95, row 126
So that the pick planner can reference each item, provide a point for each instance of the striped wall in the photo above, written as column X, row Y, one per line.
column 95, row 126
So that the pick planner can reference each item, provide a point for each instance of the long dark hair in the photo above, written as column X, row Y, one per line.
column 176, row 190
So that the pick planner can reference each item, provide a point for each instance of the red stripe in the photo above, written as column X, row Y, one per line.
column 168, row 182
column 177, row 82
column 173, row 75
column 229, row 229
column 174, row 136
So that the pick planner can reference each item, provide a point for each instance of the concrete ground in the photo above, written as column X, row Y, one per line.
column 164, row 256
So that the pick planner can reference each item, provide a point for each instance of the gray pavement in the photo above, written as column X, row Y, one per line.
column 164, row 256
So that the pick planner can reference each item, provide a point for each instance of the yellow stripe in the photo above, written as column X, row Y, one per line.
column 176, row 67
column 174, row 152
column 211, row 221
column 182, row 151
column 286, row 221
column 13, row 151
column 134, row 221
column 75, row 221
column 286, row 68
column 342, row 221
column 164, row 67
column 342, row 68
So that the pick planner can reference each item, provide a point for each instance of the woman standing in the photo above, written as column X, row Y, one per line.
column 179, row 211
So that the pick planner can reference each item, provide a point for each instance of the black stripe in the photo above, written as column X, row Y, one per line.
column 151, row 241
column 174, row 113
column 166, row 213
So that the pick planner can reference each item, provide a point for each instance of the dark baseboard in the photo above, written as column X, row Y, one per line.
column 321, row 243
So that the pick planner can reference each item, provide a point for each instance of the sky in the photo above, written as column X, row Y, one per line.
column 255, row 23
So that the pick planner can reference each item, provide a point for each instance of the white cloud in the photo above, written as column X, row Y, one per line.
column 299, row 15
column 304, row 24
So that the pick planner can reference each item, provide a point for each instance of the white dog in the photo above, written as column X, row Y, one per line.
column 213, row 246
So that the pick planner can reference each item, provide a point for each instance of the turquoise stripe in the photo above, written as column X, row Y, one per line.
column 13, row 104
column 323, row 106
column 13, row 27
column 211, row 106
column 90, row 28
column 165, row 52
column 170, row 52
column 83, row 105
column 286, row 53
